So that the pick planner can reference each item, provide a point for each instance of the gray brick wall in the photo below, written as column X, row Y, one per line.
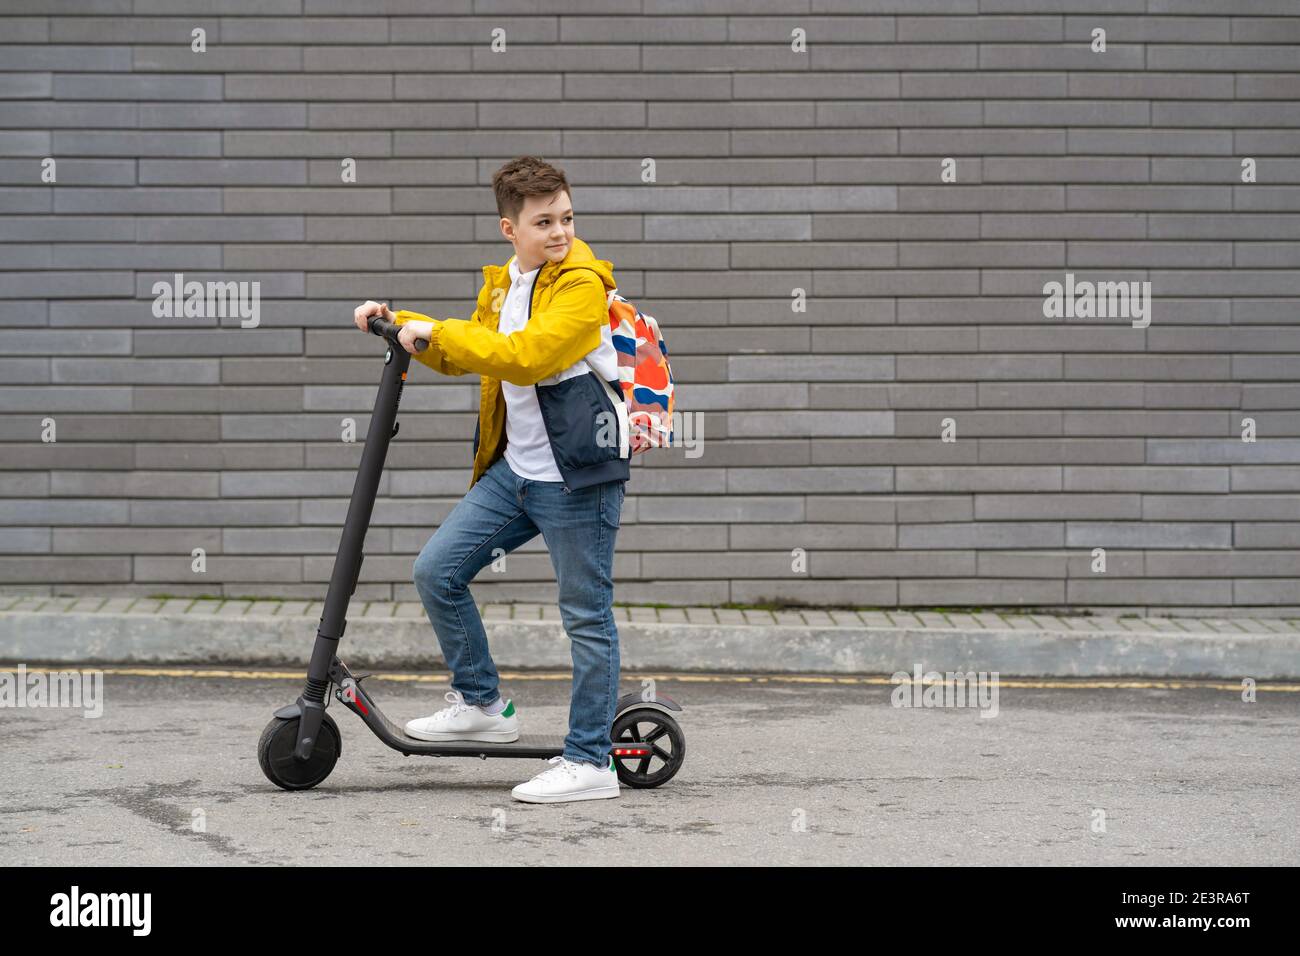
column 777, row 169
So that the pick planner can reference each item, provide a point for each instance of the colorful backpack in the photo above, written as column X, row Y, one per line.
column 643, row 373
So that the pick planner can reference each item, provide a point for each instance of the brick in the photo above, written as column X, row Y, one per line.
column 980, row 591
column 127, row 143
column 110, row 86
column 332, row 145
column 1071, row 112
column 417, row 59
column 794, row 424
column 1148, row 591
column 1149, row 141
column 26, row 85
column 1211, row 58
column 24, row 144
column 138, row 200
column 687, row 228
column 119, row 255
column 20, row 200
column 334, row 87
column 889, row 170
column 223, row 115
column 65, row 570
column 798, row 142
column 26, row 29
column 218, row 7
column 980, row 198
column 985, row 478
column 305, row 30
column 423, row 115
column 995, row 29
column 222, row 569
column 1144, row 534
column 1070, row 168
column 58, row 56
column 358, row 200
column 219, row 57
column 1055, row 56
column 1156, row 86
column 135, row 29
column 1159, row 29
column 982, row 84
column 1145, row 479
column 24, row 483
column 224, row 228
column 983, row 534
column 472, row 143
column 968, row 142
column 25, row 540
column 1153, row 197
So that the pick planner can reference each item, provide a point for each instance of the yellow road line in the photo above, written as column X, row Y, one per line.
column 1029, row 683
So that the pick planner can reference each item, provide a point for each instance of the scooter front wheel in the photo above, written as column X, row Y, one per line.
column 275, row 753
column 646, row 725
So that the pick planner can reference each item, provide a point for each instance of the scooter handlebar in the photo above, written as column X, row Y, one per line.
column 381, row 326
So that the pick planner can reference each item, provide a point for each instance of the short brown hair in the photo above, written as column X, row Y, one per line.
column 523, row 177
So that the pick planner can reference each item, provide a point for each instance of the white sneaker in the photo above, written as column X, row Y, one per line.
column 462, row 721
column 569, row 780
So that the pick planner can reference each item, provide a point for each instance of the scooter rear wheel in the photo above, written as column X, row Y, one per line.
column 275, row 753
column 648, row 726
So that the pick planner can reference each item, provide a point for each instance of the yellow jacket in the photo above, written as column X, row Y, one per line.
column 568, row 310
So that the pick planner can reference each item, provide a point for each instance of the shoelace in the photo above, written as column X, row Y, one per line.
column 560, row 767
column 457, row 705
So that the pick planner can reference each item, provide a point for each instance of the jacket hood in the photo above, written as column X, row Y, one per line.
column 579, row 256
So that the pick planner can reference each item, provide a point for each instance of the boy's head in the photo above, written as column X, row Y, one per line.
column 536, row 211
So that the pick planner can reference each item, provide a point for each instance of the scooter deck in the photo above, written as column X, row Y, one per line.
column 394, row 735
column 542, row 741
column 528, row 745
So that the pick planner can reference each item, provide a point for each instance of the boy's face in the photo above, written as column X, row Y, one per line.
column 544, row 232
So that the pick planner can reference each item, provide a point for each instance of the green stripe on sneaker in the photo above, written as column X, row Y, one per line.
column 510, row 709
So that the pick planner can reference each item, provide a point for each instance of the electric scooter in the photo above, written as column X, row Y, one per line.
column 302, row 743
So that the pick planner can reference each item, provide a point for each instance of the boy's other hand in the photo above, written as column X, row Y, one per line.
column 412, row 331
column 362, row 313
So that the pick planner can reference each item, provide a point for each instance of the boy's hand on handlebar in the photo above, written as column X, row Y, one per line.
column 412, row 331
column 362, row 313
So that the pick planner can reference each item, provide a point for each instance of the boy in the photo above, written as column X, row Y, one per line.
column 545, row 462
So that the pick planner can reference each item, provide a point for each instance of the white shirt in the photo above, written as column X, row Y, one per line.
column 528, row 447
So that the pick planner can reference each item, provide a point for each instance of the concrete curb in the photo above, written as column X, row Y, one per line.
column 372, row 642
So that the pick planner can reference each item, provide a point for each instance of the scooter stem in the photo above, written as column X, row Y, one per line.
column 347, row 563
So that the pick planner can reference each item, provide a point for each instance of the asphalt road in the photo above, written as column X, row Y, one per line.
column 778, row 771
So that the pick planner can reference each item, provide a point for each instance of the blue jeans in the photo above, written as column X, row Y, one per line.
column 497, row 515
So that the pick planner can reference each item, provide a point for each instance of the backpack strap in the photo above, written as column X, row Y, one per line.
column 620, row 409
